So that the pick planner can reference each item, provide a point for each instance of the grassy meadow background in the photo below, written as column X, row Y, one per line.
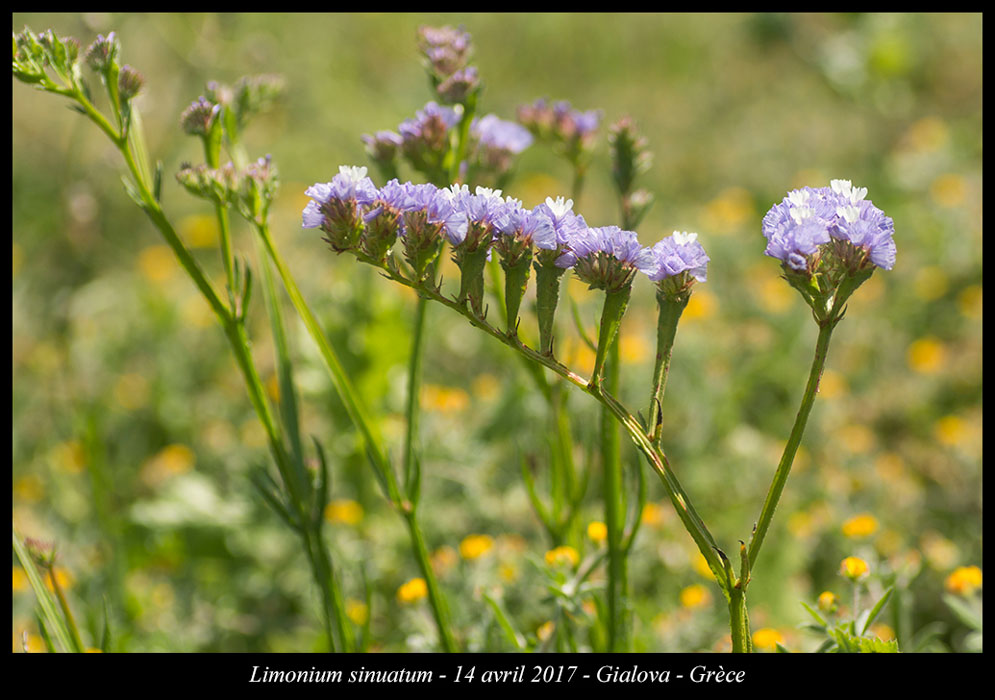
column 132, row 434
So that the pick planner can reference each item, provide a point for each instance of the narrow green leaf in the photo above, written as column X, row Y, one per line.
column 46, row 602
column 530, row 488
column 502, row 619
column 288, row 394
column 324, row 484
column 825, row 646
column 876, row 610
column 264, row 484
column 964, row 612
column 106, row 638
column 45, row 636
column 133, row 192
column 813, row 613
column 780, row 649
column 157, row 182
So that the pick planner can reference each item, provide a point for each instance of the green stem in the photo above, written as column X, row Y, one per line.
column 666, row 331
column 439, row 610
column 333, row 606
column 66, row 610
column 358, row 415
column 338, row 375
column 414, row 399
column 614, row 499
column 657, row 459
column 737, row 621
column 791, row 448
column 611, row 319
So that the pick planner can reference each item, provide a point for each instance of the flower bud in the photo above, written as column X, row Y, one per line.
column 200, row 117
column 129, row 82
column 102, row 53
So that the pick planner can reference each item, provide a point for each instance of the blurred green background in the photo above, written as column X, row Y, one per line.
column 132, row 433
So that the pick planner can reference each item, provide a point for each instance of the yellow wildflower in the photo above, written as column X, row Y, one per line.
column 952, row 430
column 563, row 555
column 169, row 461
column 508, row 573
column 20, row 579
column 728, row 211
column 545, row 630
column 854, row 568
column 412, row 591
column 949, row 190
column 827, row 601
column 29, row 488
column 863, row 525
column 444, row 399
column 199, row 230
column 701, row 305
column 653, row 514
column 475, row 546
column 357, row 611
column 767, row 638
column 926, row 355
column 443, row 559
column 695, row 596
column 970, row 301
column 157, row 264
column 345, row 511
column 883, row 631
column 856, row 438
column 700, row 565
column 597, row 531
column 832, row 384
column 62, row 578
column 964, row 580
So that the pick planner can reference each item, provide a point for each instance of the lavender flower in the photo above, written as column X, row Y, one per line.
column 486, row 211
column 498, row 134
column 513, row 241
column 425, row 139
column 382, row 221
column 807, row 218
column 335, row 207
column 459, row 86
column 383, row 145
column 520, row 229
column 677, row 254
column 829, row 241
column 446, row 48
column 566, row 225
column 862, row 224
column 429, row 215
column 607, row 257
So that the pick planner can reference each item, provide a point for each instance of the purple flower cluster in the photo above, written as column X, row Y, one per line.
column 560, row 121
column 446, row 48
column 358, row 216
column 800, row 227
column 679, row 253
column 425, row 139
